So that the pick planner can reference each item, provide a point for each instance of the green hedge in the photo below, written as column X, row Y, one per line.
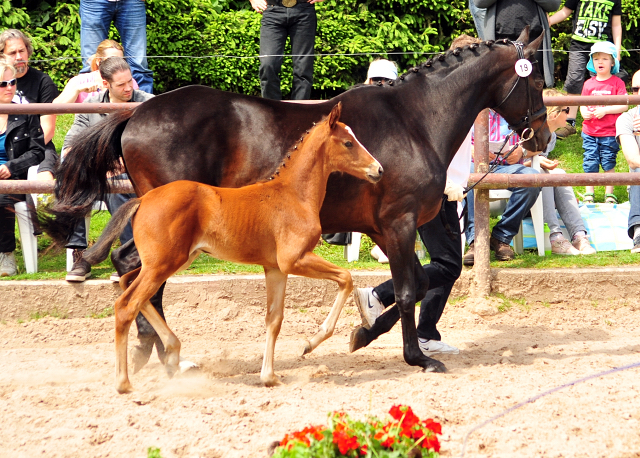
column 199, row 29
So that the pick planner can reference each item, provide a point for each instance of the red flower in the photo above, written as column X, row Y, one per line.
column 432, row 425
column 363, row 450
column 345, row 441
column 431, row 442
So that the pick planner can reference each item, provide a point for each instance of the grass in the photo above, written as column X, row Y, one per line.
column 55, row 313
column 52, row 261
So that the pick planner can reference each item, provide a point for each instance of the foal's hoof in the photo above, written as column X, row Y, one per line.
column 306, row 348
column 124, row 388
column 358, row 339
column 433, row 365
column 271, row 381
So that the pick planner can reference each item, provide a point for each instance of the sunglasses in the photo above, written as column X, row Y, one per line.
column 566, row 110
column 8, row 83
column 635, row 89
column 377, row 79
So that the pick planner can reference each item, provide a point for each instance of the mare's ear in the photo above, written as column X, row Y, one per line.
column 334, row 116
column 533, row 47
column 524, row 35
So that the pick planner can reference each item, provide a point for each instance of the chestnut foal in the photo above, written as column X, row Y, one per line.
column 275, row 224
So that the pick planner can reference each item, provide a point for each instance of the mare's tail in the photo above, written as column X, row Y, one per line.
column 81, row 178
column 100, row 250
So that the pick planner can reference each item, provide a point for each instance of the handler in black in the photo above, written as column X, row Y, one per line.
column 282, row 19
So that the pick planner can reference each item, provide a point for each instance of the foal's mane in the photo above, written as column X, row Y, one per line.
column 294, row 148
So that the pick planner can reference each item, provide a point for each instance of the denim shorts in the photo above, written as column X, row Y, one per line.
column 599, row 151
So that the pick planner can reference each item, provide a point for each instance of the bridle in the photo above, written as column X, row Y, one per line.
column 528, row 133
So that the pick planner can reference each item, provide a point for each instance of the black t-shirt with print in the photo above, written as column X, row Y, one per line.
column 592, row 19
column 37, row 87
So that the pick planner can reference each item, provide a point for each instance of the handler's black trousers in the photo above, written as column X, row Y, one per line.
column 278, row 22
column 443, row 271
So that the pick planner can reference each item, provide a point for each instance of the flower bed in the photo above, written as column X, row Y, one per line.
column 404, row 435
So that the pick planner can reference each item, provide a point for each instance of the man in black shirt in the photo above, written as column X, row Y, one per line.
column 34, row 86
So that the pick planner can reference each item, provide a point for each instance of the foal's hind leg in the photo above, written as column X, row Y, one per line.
column 276, row 286
column 313, row 266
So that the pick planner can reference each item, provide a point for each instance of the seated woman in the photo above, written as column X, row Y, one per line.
column 561, row 198
column 21, row 146
column 84, row 85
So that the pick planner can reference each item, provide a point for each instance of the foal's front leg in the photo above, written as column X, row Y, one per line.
column 276, row 286
column 313, row 266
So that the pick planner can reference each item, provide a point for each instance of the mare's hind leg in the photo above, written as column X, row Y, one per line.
column 276, row 286
column 313, row 266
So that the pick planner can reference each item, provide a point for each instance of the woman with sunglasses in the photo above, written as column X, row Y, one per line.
column 561, row 198
column 21, row 146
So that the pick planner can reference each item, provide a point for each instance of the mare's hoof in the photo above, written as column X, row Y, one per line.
column 435, row 366
column 187, row 366
column 307, row 348
column 358, row 339
column 141, row 353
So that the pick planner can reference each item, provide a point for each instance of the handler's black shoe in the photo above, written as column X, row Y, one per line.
column 81, row 269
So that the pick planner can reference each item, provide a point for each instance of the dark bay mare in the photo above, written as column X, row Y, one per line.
column 413, row 128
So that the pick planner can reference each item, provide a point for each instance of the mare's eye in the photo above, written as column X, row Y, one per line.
column 348, row 144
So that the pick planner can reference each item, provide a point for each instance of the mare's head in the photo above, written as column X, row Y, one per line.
column 520, row 102
column 344, row 152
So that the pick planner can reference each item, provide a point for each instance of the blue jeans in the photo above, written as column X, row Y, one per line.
column 130, row 19
column 634, row 203
column 520, row 202
column 599, row 151
column 278, row 22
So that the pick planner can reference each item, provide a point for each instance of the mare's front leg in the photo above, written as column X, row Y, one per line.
column 276, row 286
column 400, row 246
column 313, row 266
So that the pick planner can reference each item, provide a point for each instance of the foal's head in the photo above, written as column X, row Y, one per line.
column 344, row 151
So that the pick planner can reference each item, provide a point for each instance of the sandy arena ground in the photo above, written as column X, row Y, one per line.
column 57, row 396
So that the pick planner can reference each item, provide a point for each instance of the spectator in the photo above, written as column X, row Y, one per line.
column 130, row 19
column 118, row 83
column 445, row 251
column 519, row 204
column 508, row 18
column 21, row 146
column 478, row 15
column 628, row 134
column 561, row 198
column 593, row 21
column 34, row 86
column 85, row 85
column 599, row 125
column 282, row 19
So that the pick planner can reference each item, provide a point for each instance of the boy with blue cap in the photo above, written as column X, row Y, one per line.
column 599, row 126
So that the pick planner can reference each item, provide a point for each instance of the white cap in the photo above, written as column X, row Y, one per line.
column 382, row 69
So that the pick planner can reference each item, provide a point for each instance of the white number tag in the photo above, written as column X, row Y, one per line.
column 523, row 68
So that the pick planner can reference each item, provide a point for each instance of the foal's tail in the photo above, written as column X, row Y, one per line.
column 81, row 178
column 100, row 250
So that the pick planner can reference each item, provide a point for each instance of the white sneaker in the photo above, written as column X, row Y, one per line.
column 369, row 306
column 562, row 246
column 378, row 254
column 582, row 244
column 8, row 265
column 431, row 347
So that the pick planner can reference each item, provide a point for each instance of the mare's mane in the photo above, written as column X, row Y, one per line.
column 433, row 63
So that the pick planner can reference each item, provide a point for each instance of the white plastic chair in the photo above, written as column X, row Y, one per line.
column 25, row 227
column 536, row 214
column 352, row 250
